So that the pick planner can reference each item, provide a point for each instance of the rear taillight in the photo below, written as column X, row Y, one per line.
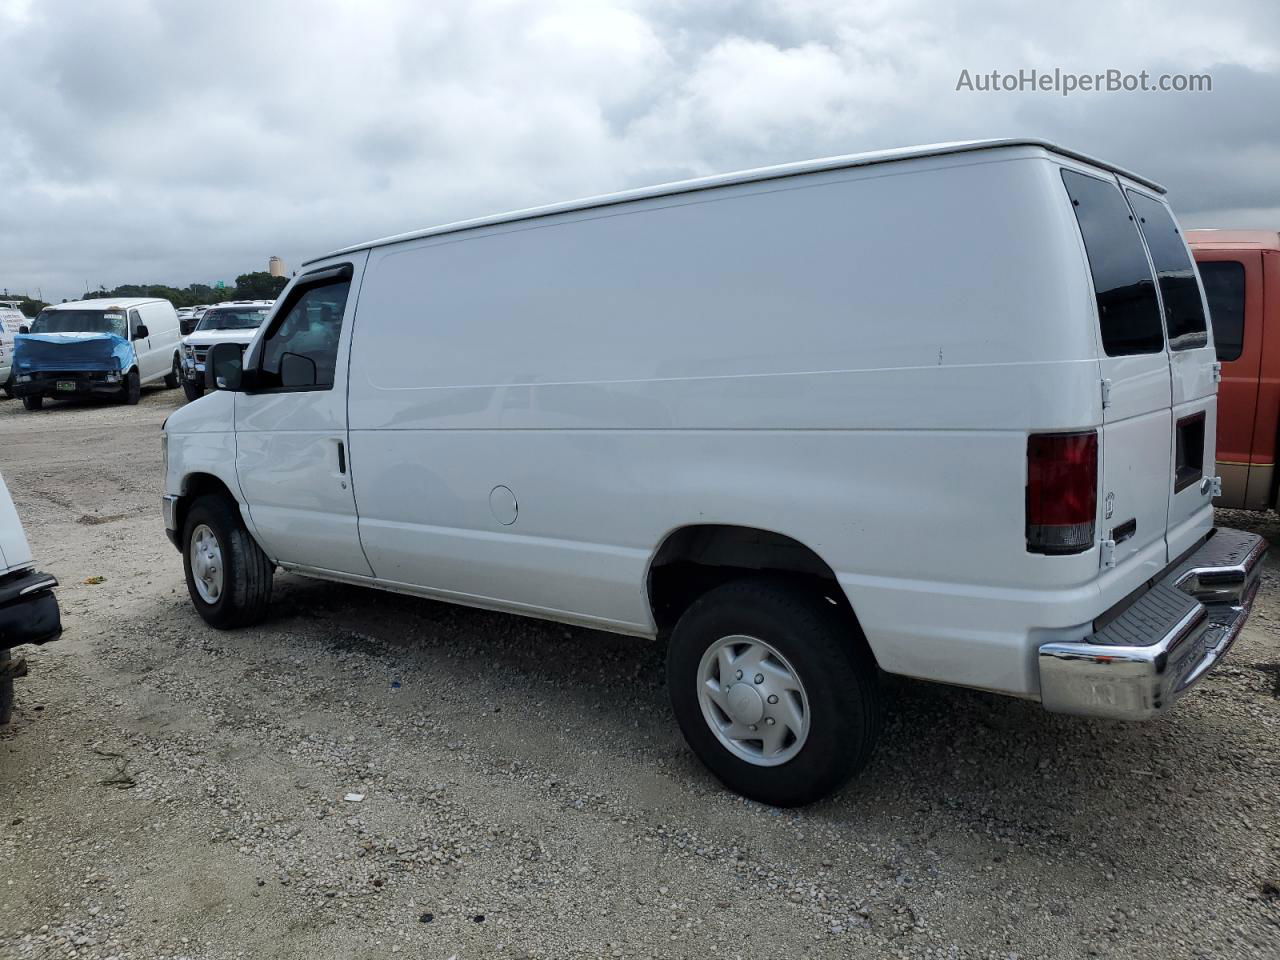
column 1062, row 491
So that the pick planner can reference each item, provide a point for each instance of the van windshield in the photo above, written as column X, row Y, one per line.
column 81, row 321
column 248, row 318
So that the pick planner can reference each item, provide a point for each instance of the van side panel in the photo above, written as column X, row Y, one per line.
column 852, row 358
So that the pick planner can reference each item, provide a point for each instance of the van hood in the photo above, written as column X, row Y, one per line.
column 36, row 352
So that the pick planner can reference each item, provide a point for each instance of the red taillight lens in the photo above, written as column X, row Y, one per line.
column 1062, row 491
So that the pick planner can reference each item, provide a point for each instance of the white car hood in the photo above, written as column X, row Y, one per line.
column 15, row 552
column 204, row 338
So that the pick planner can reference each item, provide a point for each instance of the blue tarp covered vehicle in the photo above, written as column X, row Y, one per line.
column 72, row 352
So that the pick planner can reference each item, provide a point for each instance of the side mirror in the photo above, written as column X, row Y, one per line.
column 24, row 329
column 297, row 371
column 186, row 326
column 141, row 333
column 224, row 367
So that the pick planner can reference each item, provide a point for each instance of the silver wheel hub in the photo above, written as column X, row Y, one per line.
column 753, row 700
column 745, row 705
column 206, row 563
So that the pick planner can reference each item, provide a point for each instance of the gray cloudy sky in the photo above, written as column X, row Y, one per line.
column 174, row 142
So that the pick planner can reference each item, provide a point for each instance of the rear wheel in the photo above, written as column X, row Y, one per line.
column 131, row 392
column 171, row 379
column 33, row 402
column 775, row 690
column 8, row 388
column 228, row 576
column 192, row 390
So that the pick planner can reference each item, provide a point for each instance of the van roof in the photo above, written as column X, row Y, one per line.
column 744, row 176
column 105, row 303
column 1234, row 239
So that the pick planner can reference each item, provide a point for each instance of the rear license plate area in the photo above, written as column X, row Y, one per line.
column 66, row 386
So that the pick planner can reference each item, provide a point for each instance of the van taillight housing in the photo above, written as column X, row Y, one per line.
column 1062, row 491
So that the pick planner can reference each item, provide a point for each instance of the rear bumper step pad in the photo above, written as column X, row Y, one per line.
column 1149, row 655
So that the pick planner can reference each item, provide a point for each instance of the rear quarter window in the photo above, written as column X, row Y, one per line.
column 1183, row 309
column 1224, row 289
column 1128, row 313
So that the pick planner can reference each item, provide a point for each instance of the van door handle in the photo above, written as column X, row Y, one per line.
column 342, row 457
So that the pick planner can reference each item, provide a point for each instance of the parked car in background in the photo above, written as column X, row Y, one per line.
column 742, row 414
column 233, row 322
column 106, row 346
column 28, row 608
column 11, row 321
column 1240, row 270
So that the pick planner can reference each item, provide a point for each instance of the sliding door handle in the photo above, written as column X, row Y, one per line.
column 342, row 457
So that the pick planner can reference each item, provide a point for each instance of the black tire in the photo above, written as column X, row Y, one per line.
column 8, row 388
column 825, row 650
column 131, row 392
column 247, row 573
column 173, row 376
column 6, row 692
column 33, row 402
column 192, row 390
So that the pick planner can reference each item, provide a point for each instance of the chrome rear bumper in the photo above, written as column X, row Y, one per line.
column 1149, row 654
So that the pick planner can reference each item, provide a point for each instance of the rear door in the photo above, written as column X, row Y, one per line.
column 1134, row 371
column 1232, row 281
column 291, row 426
column 1194, row 388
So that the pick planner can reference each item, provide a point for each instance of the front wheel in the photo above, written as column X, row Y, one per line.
column 228, row 576
column 33, row 402
column 775, row 690
column 192, row 390
column 173, row 376
column 131, row 392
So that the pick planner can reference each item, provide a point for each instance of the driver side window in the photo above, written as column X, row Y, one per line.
column 301, row 351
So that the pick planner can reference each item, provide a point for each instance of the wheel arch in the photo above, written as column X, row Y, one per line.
column 196, row 485
column 696, row 558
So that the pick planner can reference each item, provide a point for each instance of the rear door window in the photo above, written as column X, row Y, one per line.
column 1128, row 312
column 1183, row 309
column 1224, row 289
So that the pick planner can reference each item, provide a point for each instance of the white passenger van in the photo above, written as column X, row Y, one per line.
column 943, row 412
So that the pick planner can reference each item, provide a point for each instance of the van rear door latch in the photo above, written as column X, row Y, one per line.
column 1217, row 372
column 1106, row 393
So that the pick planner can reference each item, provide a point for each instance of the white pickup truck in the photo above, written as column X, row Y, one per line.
column 946, row 412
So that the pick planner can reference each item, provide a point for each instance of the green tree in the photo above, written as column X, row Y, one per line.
column 259, row 285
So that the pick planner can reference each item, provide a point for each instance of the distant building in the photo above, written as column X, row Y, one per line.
column 275, row 267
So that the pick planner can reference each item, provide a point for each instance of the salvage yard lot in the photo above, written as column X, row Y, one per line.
column 167, row 790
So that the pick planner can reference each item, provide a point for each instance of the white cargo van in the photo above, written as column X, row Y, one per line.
column 11, row 321
column 107, row 346
column 943, row 411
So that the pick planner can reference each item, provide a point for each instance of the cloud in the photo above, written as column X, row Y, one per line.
column 146, row 141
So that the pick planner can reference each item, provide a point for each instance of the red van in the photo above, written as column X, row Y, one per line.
column 1240, row 270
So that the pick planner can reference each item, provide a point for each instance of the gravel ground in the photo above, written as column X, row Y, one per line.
column 167, row 790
